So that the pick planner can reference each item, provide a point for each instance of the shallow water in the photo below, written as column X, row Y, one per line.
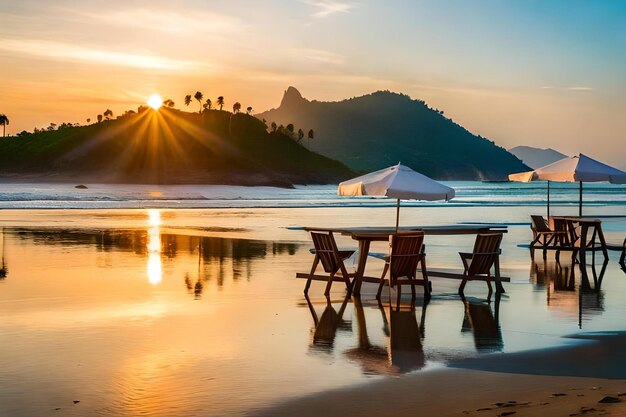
column 197, row 312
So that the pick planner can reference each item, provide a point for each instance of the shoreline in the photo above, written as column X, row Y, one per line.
column 564, row 381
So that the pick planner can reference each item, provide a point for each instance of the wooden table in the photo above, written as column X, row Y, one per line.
column 582, row 242
column 366, row 235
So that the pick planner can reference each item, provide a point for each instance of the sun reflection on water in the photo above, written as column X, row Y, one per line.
column 154, row 270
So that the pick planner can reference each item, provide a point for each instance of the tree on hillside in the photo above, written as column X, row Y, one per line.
column 168, row 102
column 220, row 101
column 88, row 120
column 198, row 96
column 300, row 135
column 108, row 114
column 290, row 128
column 4, row 121
column 249, row 110
column 274, row 127
column 187, row 100
column 209, row 104
column 99, row 118
column 236, row 107
column 310, row 136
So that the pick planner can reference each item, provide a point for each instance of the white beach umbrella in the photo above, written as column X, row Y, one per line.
column 579, row 169
column 399, row 182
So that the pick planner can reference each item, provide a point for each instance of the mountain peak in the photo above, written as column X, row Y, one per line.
column 292, row 97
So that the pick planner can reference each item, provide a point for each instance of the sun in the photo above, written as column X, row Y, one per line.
column 155, row 101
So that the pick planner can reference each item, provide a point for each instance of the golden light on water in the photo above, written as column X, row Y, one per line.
column 155, row 101
column 154, row 270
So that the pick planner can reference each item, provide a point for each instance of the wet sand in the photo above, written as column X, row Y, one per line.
column 518, row 384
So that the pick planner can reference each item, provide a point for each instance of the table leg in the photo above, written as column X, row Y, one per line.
column 602, row 241
column 364, row 248
column 582, row 241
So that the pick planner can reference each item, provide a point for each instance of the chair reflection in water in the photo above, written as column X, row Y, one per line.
column 327, row 324
column 562, row 292
column 404, row 351
column 485, row 327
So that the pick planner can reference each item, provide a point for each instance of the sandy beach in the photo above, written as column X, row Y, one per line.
column 520, row 384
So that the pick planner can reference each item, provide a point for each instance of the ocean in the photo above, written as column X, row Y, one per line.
column 468, row 193
column 175, row 300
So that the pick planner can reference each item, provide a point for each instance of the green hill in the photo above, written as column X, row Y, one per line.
column 384, row 128
column 168, row 146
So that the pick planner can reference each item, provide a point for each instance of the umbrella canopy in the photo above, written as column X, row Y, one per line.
column 399, row 182
column 579, row 169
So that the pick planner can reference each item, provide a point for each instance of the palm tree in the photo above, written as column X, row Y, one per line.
column 300, row 135
column 99, row 118
column 209, row 104
column 187, row 100
column 220, row 101
column 168, row 102
column 108, row 114
column 236, row 107
column 198, row 96
column 249, row 110
column 4, row 121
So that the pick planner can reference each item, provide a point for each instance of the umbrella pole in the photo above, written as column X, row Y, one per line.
column 580, row 199
column 397, row 216
column 548, row 199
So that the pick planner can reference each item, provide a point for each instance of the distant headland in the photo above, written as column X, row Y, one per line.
column 383, row 128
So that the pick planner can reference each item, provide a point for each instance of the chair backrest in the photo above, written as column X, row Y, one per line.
column 326, row 250
column 539, row 223
column 486, row 250
column 406, row 251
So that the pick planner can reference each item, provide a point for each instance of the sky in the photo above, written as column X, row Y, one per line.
column 546, row 73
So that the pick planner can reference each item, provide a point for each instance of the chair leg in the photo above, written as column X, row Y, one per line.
column 313, row 268
column 490, row 288
column 382, row 281
column 413, row 289
column 329, row 284
column 399, row 294
column 427, row 285
column 349, row 286
column 462, row 287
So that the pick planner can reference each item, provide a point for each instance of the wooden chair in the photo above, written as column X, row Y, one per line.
column 332, row 259
column 478, row 264
column 543, row 235
column 407, row 252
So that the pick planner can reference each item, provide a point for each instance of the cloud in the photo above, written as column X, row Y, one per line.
column 76, row 53
column 319, row 55
column 168, row 21
column 580, row 88
column 328, row 7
